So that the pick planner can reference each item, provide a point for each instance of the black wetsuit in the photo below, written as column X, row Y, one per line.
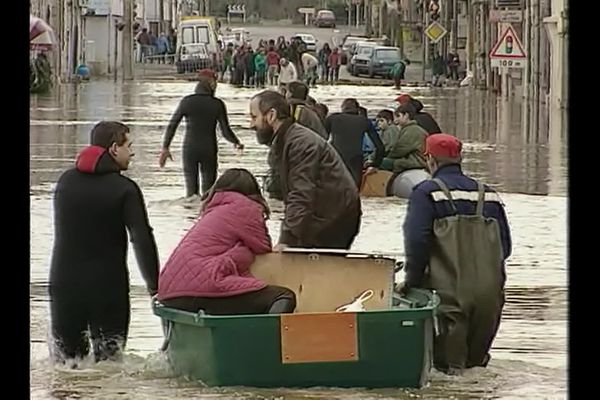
column 89, row 280
column 347, row 130
column 201, row 111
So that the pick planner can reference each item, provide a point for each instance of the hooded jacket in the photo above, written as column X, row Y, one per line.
column 424, row 119
column 214, row 257
column 94, row 207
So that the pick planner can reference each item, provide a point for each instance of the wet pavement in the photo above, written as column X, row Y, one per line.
column 529, row 169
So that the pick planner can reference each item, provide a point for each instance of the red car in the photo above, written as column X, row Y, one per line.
column 325, row 18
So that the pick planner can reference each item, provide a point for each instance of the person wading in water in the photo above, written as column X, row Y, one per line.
column 202, row 110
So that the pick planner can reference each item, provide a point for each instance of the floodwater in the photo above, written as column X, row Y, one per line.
column 529, row 169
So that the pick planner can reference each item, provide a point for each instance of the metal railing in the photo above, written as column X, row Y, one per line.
column 159, row 59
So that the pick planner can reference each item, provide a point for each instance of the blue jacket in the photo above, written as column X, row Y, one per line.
column 423, row 210
column 162, row 44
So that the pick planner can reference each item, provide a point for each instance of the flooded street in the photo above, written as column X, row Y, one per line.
column 529, row 169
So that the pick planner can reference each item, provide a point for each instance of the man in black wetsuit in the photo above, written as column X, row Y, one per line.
column 89, row 281
column 202, row 110
column 347, row 130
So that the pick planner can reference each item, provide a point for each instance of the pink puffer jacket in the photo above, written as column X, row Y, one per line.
column 214, row 257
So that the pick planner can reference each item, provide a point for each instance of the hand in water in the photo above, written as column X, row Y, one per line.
column 279, row 247
column 162, row 158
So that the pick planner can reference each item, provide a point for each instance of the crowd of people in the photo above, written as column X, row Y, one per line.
column 277, row 63
column 455, row 227
column 152, row 48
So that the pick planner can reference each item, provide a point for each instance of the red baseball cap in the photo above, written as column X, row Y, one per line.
column 403, row 98
column 443, row 145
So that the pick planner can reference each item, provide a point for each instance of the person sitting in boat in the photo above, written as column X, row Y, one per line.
column 389, row 131
column 457, row 239
column 424, row 119
column 407, row 152
column 209, row 269
column 347, row 129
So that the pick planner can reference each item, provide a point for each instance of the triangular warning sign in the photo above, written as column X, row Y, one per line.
column 509, row 46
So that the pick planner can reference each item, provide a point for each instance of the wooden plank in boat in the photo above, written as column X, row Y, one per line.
column 320, row 337
column 324, row 282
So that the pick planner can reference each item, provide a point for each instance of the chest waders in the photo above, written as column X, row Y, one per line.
column 465, row 269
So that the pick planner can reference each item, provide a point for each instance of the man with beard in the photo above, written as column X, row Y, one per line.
column 322, row 204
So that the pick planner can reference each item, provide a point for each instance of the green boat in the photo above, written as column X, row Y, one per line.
column 389, row 344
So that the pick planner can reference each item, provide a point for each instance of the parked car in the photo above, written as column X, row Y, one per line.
column 377, row 60
column 347, row 43
column 325, row 19
column 308, row 39
column 364, row 49
column 193, row 57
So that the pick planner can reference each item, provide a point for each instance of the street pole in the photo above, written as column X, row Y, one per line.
column 424, row 41
column 357, row 14
column 454, row 25
column 116, row 52
column 349, row 14
column 368, row 13
column 109, row 20
column 400, row 33
column 127, row 41
column 161, row 16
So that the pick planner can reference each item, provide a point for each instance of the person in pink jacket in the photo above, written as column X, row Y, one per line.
column 209, row 269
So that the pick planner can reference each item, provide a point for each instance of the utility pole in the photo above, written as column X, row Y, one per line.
column 161, row 16
column 400, row 34
column 454, row 25
column 127, row 41
column 368, row 12
column 349, row 13
column 424, row 41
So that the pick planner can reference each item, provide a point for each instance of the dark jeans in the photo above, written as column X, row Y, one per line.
column 260, row 78
column 258, row 302
column 324, row 73
column 334, row 73
column 248, row 77
column 193, row 162
column 77, row 316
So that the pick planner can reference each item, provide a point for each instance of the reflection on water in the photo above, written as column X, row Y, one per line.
column 529, row 355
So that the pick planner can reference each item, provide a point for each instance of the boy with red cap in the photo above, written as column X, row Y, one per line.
column 456, row 241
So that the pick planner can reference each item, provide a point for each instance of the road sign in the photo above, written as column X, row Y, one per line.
column 506, row 16
column 508, row 51
column 435, row 32
column 504, row 63
column 306, row 10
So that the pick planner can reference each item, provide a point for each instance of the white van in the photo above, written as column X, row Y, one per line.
column 197, row 30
